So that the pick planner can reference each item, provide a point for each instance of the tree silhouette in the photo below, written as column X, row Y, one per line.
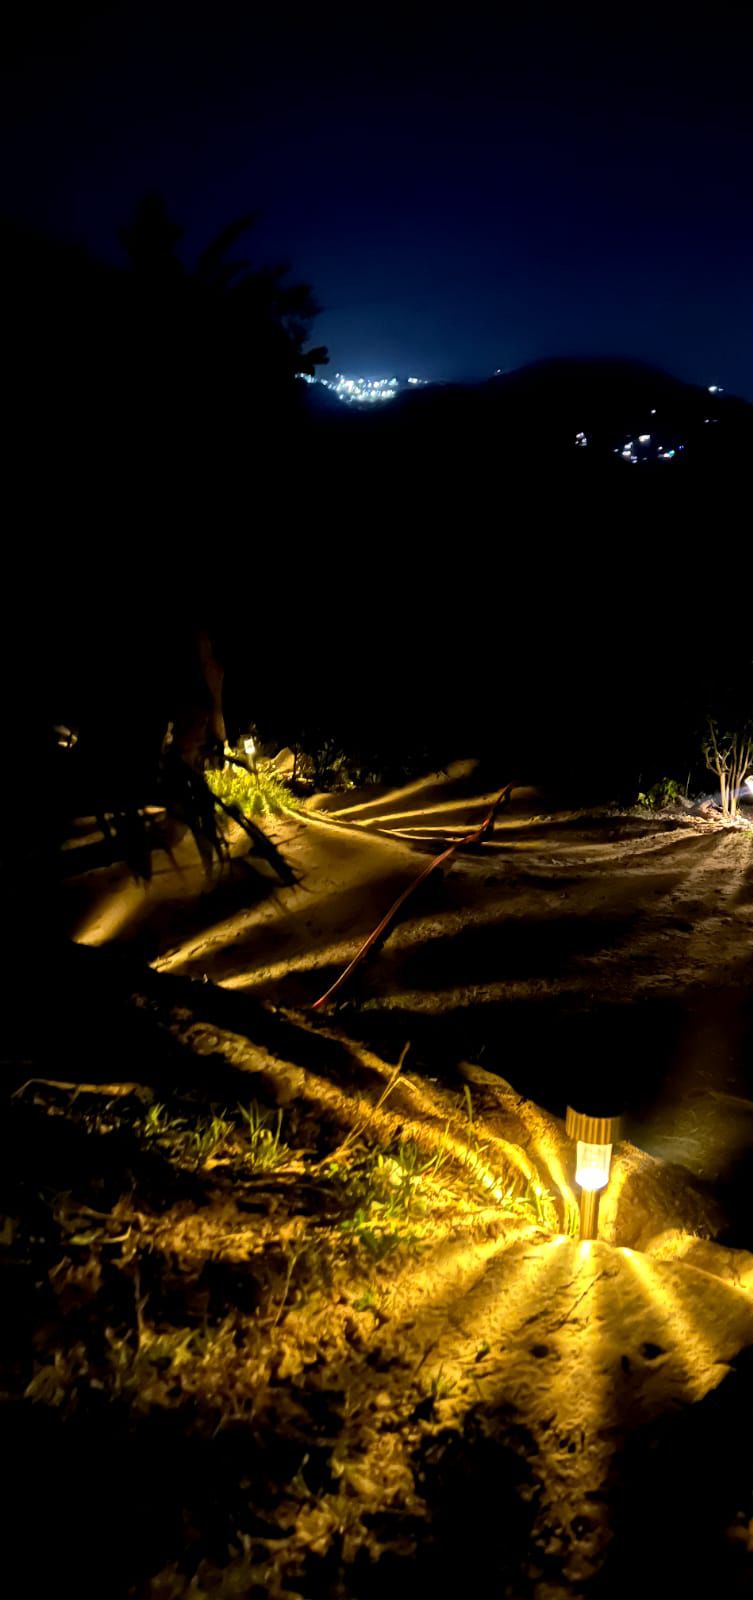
column 229, row 311
column 150, row 242
column 154, row 423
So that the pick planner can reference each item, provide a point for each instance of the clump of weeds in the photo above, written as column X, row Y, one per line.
column 254, row 1141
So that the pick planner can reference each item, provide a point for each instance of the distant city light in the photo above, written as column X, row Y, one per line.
column 645, row 449
column 362, row 391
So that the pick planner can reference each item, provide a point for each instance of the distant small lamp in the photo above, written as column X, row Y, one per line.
column 594, row 1138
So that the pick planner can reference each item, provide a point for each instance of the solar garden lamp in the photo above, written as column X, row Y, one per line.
column 594, row 1138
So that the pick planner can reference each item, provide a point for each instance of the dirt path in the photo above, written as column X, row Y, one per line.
column 566, row 1350
column 321, row 1391
column 625, row 940
column 451, row 1394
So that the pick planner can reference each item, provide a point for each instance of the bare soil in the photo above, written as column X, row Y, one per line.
column 622, row 941
column 295, row 1312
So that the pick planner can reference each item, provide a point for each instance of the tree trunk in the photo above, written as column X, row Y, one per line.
column 199, row 729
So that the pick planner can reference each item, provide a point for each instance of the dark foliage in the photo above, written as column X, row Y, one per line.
column 385, row 592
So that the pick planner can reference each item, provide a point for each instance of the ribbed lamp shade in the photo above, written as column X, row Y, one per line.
column 592, row 1130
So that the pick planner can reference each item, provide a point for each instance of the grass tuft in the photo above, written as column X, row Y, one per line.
column 258, row 794
column 256, row 1144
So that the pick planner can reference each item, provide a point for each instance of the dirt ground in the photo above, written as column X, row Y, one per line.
column 621, row 939
column 300, row 1311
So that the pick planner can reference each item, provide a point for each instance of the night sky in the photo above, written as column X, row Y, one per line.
column 463, row 193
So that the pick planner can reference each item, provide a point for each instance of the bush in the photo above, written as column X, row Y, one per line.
column 667, row 792
column 256, row 794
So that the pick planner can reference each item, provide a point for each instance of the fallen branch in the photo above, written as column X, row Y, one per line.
column 112, row 1090
column 477, row 836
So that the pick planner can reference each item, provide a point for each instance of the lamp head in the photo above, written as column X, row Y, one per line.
column 594, row 1138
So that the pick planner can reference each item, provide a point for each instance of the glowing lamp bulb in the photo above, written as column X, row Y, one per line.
column 592, row 1165
column 249, row 746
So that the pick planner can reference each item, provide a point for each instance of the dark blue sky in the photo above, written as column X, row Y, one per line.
column 464, row 192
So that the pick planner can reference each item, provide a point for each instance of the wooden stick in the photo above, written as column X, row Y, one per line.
column 477, row 836
column 111, row 1089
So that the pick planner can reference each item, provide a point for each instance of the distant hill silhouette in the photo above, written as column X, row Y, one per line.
column 450, row 571
column 536, row 412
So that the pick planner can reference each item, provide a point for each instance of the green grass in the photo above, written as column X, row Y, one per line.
column 440, row 1387
column 526, row 1199
column 381, row 1195
column 257, row 794
column 388, row 1197
column 255, row 1141
column 265, row 1149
